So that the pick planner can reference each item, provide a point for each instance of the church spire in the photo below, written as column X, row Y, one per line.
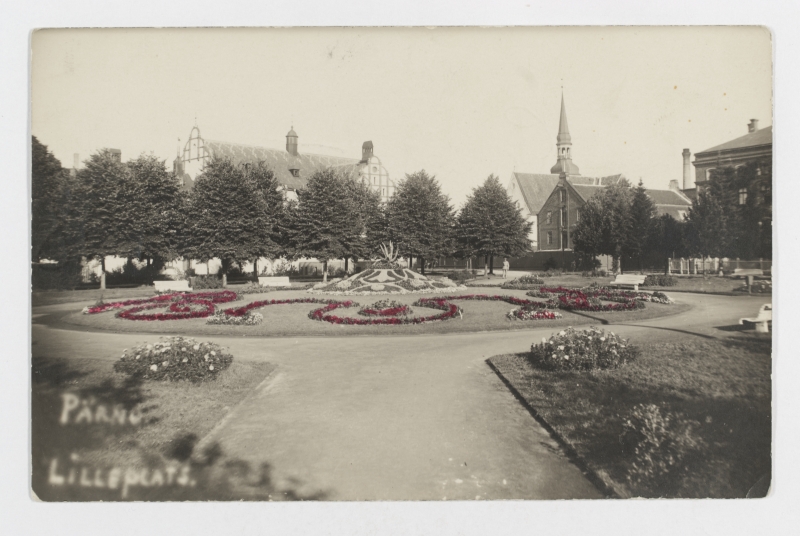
column 564, row 146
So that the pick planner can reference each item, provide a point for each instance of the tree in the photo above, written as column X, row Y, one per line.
column 367, row 230
column 267, row 187
column 226, row 216
column 589, row 234
column 98, row 221
column 708, row 222
column 642, row 212
column 48, row 182
column 667, row 238
column 491, row 223
column 320, row 223
column 154, row 210
column 420, row 219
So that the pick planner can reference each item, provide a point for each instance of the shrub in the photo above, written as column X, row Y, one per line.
column 761, row 286
column 202, row 282
column 250, row 318
column 659, row 443
column 525, row 282
column 660, row 280
column 589, row 349
column 461, row 276
column 386, row 308
column 62, row 276
column 174, row 359
column 550, row 264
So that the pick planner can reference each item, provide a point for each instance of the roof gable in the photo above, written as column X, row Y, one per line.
column 536, row 188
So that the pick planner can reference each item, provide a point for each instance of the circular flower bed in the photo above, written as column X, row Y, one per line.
column 394, row 280
column 590, row 298
column 588, row 349
column 248, row 319
column 386, row 308
column 180, row 306
column 173, row 359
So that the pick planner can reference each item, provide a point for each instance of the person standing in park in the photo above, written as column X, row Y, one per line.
column 505, row 267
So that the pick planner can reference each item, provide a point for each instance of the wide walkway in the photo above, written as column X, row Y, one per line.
column 380, row 418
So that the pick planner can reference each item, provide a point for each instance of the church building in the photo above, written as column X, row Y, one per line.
column 291, row 167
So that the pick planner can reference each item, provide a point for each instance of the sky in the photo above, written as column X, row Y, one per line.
column 460, row 103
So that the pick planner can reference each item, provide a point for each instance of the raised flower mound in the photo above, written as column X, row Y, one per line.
column 525, row 282
column 386, row 308
column 174, row 359
column 587, row 349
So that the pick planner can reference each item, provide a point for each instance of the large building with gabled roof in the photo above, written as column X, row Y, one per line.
column 291, row 167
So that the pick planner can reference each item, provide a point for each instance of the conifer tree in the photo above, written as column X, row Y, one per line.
column 48, row 181
column 368, row 223
column 642, row 212
column 267, row 187
column 491, row 223
column 421, row 220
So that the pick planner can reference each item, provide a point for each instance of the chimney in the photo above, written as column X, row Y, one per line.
column 687, row 170
column 753, row 125
column 117, row 154
column 673, row 185
column 76, row 160
column 366, row 151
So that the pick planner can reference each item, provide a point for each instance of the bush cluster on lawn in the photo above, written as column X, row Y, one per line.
column 461, row 276
column 659, row 443
column 595, row 273
column 660, row 280
column 248, row 319
column 526, row 282
column 588, row 349
column 174, row 359
column 761, row 286
column 386, row 308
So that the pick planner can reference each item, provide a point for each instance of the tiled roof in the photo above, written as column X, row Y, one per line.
column 751, row 139
column 586, row 190
column 675, row 212
column 667, row 197
column 279, row 160
column 536, row 188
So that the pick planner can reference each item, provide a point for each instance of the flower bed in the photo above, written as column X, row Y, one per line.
column 248, row 319
column 374, row 281
column 588, row 349
column 526, row 282
column 760, row 286
column 174, row 359
column 180, row 306
column 386, row 308
column 589, row 298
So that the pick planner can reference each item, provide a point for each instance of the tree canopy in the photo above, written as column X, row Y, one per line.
column 491, row 223
column 421, row 220
column 48, row 190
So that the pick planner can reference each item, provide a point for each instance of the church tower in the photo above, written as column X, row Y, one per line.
column 564, row 146
column 291, row 142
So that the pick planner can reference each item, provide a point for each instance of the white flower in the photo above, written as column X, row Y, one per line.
column 213, row 352
column 153, row 367
column 562, row 333
column 138, row 356
column 196, row 347
column 561, row 347
column 554, row 356
column 185, row 359
column 602, row 339
column 165, row 363
column 205, row 357
column 566, row 357
column 211, row 367
column 183, row 349
column 149, row 346
column 544, row 340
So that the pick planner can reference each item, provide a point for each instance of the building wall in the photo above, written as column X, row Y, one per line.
column 515, row 193
column 556, row 226
column 376, row 176
column 705, row 162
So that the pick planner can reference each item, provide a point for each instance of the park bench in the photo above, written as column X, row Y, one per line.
column 762, row 321
column 162, row 286
column 744, row 272
column 628, row 281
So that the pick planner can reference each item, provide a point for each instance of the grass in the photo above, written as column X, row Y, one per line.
column 724, row 385
column 175, row 416
column 292, row 320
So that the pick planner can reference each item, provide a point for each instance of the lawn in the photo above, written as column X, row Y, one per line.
column 721, row 388
column 685, row 283
column 152, row 457
column 292, row 320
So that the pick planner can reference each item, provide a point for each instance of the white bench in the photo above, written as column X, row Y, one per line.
column 627, row 280
column 162, row 286
column 762, row 321
column 274, row 281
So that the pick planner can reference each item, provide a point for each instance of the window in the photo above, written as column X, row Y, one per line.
column 742, row 196
column 374, row 180
column 561, row 194
column 564, row 240
column 577, row 216
column 549, row 238
column 563, row 221
column 549, row 217
column 374, row 169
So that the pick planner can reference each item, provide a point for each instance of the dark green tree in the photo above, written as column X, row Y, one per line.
column 266, row 185
column 606, row 224
column 642, row 212
column 320, row 223
column 154, row 208
column 667, row 239
column 368, row 222
column 48, row 182
column 421, row 220
column 589, row 234
column 226, row 216
column 709, row 222
column 491, row 223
